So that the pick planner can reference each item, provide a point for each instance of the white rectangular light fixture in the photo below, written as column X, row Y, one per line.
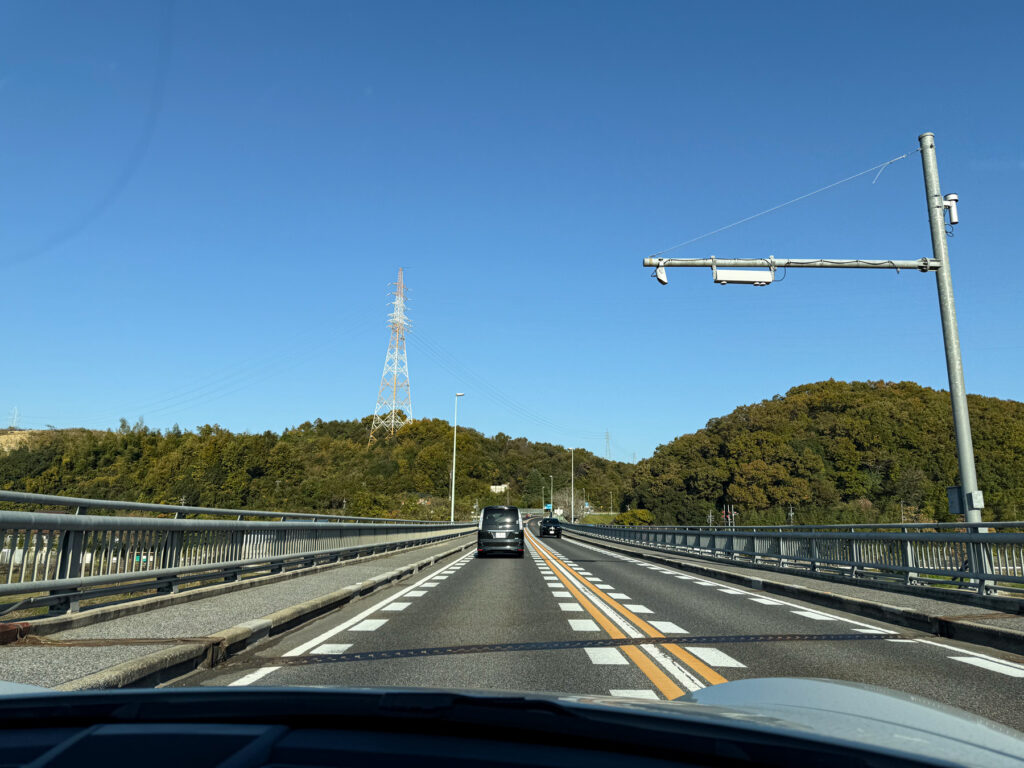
column 743, row 276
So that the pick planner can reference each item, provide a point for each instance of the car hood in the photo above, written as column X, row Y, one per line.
column 836, row 715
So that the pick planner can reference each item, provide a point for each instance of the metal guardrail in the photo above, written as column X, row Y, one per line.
column 57, row 560
column 947, row 555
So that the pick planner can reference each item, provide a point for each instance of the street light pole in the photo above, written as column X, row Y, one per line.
column 455, row 440
column 552, row 479
column 970, row 501
column 972, row 498
column 572, row 485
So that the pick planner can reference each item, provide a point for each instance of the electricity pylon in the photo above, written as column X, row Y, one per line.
column 394, row 400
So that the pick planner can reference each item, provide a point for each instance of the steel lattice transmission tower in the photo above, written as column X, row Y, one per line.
column 394, row 400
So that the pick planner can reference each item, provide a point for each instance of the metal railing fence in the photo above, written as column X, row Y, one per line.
column 981, row 557
column 57, row 560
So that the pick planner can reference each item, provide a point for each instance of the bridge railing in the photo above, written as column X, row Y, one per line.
column 981, row 557
column 59, row 560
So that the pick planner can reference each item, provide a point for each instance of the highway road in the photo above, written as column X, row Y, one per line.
column 575, row 618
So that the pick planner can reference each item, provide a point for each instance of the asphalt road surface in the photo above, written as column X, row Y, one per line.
column 574, row 618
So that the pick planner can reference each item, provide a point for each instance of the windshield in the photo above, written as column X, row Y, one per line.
column 464, row 335
column 499, row 518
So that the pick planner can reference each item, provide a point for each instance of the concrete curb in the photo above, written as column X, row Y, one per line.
column 943, row 626
column 48, row 626
column 168, row 663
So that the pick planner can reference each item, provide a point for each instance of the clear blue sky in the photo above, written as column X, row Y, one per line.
column 202, row 205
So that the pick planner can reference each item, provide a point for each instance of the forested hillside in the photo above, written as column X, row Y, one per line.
column 835, row 451
column 316, row 466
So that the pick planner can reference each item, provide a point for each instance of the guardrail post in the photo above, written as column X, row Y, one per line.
column 854, row 554
column 978, row 562
column 907, row 551
column 69, row 566
column 814, row 554
column 171, row 558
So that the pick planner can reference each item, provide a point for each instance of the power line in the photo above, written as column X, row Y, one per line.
column 880, row 167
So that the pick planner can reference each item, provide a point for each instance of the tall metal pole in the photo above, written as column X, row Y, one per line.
column 552, row 479
column 972, row 498
column 455, row 440
column 572, row 485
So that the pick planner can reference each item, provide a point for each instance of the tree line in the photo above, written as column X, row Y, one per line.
column 320, row 466
column 832, row 451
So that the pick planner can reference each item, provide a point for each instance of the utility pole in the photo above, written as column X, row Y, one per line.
column 972, row 498
column 455, row 441
column 607, row 445
column 572, row 485
column 552, row 479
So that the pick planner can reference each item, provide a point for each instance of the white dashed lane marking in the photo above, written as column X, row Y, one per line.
column 562, row 593
column 619, row 596
column 638, row 608
column 814, row 615
column 416, row 593
column 332, row 648
column 668, row 627
column 994, row 666
column 606, row 656
column 714, row 657
column 570, row 606
column 584, row 625
column 396, row 607
column 369, row 625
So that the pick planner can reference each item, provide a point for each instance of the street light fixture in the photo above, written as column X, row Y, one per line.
column 455, row 439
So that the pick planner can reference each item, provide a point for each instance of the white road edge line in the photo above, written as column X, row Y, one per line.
column 262, row 672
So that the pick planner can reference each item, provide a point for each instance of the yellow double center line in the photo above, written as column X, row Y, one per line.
column 662, row 682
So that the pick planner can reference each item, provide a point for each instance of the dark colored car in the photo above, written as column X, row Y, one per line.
column 501, row 530
column 551, row 526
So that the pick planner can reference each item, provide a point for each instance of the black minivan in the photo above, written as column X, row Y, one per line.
column 501, row 530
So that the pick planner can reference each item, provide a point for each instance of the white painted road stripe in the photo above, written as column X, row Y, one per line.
column 638, row 608
column 714, row 657
column 562, row 593
column 731, row 591
column 298, row 650
column 332, row 648
column 396, row 607
column 668, row 627
column 972, row 653
column 815, row 615
column 606, row 656
column 584, row 625
column 995, row 666
column 570, row 606
column 416, row 593
column 765, row 601
column 370, row 625
column 619, row 596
